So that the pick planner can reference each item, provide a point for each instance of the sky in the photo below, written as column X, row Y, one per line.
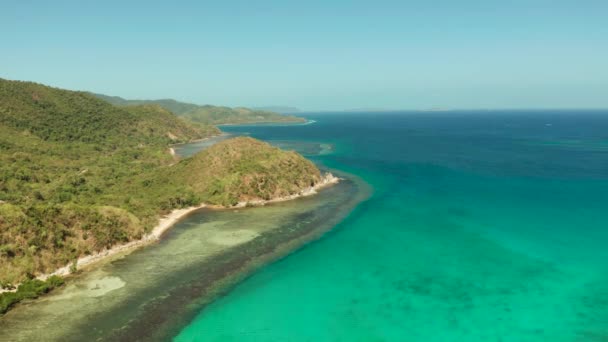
column 316, row 55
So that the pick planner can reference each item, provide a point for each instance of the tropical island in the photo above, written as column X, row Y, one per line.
column 80, row 176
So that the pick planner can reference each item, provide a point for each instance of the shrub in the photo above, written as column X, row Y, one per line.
column 29, row 289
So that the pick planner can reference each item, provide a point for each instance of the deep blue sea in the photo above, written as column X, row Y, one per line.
column 482, row 226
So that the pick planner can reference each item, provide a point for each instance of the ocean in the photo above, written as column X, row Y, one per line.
column 482, row 226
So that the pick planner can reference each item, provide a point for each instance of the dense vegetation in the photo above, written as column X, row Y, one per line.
column 208, row 115
column 244, row 169
column 224, row 115
column 175, row 107
column 28, row 289
column 78, row 174
column 68, row 116
column 156, row 120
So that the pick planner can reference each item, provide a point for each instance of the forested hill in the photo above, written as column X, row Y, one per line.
column 207, row 114
column 78, row 175
column 243, row 169
column 154, row 119
column 70, row 116
column 176, row 107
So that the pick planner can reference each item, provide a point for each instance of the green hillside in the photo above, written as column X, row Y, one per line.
column 156, row 120
column 243, row 169
column 78, row 175
column 173, row 106
column 207, row 114
column 58, row 115
column 225, row 115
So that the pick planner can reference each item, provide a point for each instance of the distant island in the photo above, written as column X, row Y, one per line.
column 80, row 175
column 207, row 114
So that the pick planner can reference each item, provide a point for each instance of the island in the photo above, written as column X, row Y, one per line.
column 81, row 178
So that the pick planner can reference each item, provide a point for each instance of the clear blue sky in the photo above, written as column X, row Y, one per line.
column 317, row 55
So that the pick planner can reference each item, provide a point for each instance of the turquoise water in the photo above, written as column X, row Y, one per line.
column 483, row 226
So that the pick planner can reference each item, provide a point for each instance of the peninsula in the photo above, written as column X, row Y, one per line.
column 80, row 178
column 212, row 115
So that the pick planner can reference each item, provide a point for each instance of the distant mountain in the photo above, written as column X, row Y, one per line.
column 207, row 114
column 176, row 107
column 225, row 115
column 279, row 109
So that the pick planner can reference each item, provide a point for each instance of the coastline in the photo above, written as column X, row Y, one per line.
column 168, row 221
column 225, row 270
column 164, row 224
column 204, row 257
